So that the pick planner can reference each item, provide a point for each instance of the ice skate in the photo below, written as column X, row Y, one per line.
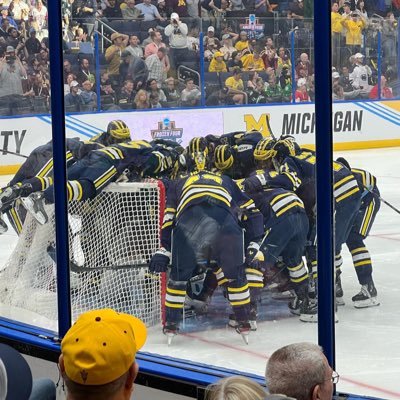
column 294, row 306
column 309, row 311
column 243, row 328
column 252, row 321
column 34, row 203
column 170, row 330
column 339, row 292
column 368, row 296
column 3, row 225
column 286, row 295
column 282, row 291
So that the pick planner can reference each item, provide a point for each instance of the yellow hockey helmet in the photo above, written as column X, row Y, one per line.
column 223, row 157
column 198, row 153
column 264, row 149
column 285, row 147
column 118, row 130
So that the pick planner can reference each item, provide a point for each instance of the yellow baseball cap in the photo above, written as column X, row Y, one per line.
column 101, row 346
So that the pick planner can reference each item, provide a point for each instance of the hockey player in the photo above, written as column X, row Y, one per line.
column 225, row 158
column 90, row 175
column 370, row 204
column 36, row 173
column 201, row 223
column 243, row 144
column 225, row 161
column 175, row 152
column 286, row 226
column 297, row 173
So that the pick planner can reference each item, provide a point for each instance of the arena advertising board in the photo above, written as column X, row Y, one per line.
column 355, row 124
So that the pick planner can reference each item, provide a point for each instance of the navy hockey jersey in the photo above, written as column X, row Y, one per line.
column 206, row 187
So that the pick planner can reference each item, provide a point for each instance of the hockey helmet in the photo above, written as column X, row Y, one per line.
column 119, row 130
column 344, row 162
column 284, row 148
column 223, row 157
column 297, row 148
column 264, row 149
column 198, row 152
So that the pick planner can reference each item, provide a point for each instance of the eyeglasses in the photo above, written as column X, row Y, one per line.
column 335, row 377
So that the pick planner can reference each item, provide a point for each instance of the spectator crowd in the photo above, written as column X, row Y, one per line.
column 150, row 55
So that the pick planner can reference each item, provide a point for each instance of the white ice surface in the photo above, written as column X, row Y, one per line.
column 367, row 340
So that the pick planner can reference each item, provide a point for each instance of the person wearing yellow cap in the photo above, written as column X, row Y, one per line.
column 98, row 355
column 217, row 63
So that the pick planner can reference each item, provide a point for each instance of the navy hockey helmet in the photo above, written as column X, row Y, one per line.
column 284, row 148
column 223, row 157
column 198, row 153
column 265, row 149
column 297, row 148
column 344, row 162
column 119, row 130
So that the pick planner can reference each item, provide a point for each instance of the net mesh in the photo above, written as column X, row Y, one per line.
column 111, row 239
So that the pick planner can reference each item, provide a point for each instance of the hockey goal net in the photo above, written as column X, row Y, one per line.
column 111, row 240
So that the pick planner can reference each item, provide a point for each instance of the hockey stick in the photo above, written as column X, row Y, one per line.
column 384, row 201
column 273, row 256
column 277, row 260
column 13, row 153
column 269, row 128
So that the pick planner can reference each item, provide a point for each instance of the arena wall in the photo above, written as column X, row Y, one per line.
column 357, row 125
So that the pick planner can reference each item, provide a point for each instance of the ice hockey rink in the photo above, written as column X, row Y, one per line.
column 367, row 340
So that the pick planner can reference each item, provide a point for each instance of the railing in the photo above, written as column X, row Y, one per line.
column 282, row 72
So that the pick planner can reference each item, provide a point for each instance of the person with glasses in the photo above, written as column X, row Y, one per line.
column 302, row 371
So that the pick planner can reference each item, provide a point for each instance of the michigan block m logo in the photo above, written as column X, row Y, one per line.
column 261, row 125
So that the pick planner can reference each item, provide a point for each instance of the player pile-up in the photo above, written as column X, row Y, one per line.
column 239, row 214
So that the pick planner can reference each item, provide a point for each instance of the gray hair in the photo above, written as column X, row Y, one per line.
column 294, row 370
column 235, row 388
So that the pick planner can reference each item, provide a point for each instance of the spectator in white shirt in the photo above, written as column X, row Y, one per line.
column 359, row 76
column 19, row 9
column 134, row 47
column 177, row 32
column 39, row 20
column 191, row 95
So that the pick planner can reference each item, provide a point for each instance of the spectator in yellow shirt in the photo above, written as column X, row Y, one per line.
column 354, row 23
column 243, row 42
column 253, row 62
column 217, row 63
column 337, row 28
column 236, row 87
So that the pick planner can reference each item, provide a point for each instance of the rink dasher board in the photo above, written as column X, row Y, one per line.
column 356, row 124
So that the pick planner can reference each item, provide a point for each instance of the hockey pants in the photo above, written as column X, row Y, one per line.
column 207, row 232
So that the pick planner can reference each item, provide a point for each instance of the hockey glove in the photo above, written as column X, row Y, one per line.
column 160, row 261
column 254, row 183
column 253, row 255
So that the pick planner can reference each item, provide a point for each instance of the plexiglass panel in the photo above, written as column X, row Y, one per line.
column 26, row 165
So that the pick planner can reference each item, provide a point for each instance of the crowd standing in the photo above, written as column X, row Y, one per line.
column 160, row 40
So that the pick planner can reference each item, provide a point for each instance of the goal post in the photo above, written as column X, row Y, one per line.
column 111, row 240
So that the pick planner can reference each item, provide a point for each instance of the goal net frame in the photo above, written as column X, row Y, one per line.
column 111, row 240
